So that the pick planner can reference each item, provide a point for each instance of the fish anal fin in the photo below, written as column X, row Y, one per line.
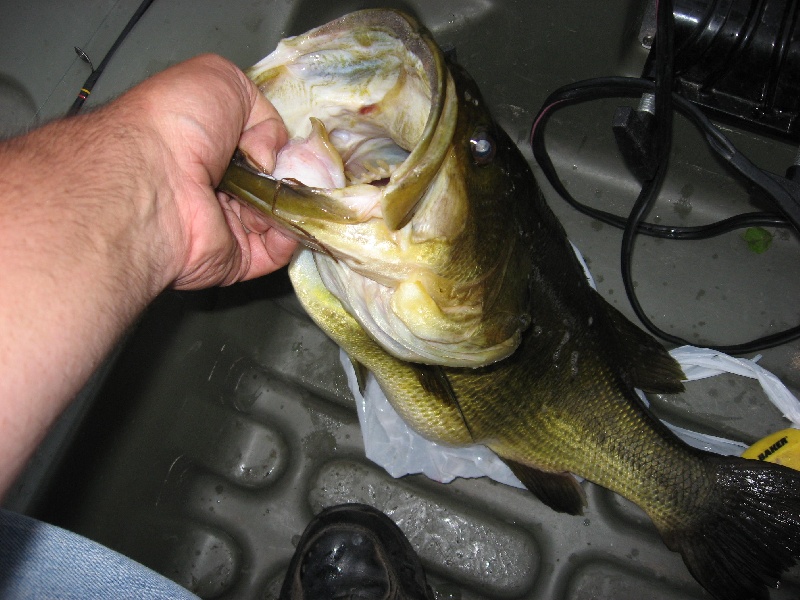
column 559, row 491
column 646, row 362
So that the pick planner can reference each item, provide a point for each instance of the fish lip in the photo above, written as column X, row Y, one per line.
column 242, row 160
column 267, row 200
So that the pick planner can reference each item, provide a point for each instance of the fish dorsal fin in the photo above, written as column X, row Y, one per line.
column 648, row 365
column 559, row 491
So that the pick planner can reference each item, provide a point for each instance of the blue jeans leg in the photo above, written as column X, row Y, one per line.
column 38, row 560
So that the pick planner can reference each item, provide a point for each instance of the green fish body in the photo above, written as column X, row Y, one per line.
column 504, row 342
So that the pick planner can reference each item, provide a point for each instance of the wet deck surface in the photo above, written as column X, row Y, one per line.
column 225, row 421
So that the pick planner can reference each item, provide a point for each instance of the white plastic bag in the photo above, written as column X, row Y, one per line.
column 393, row 445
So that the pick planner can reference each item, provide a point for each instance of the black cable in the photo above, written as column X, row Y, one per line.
column 661, row 143
column 629, row 87
column 95, row 74
column 775, row 187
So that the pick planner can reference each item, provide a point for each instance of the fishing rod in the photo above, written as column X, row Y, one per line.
column 95, row 74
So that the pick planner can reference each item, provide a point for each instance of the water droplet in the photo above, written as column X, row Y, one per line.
column 561, row 344
column 447, row 591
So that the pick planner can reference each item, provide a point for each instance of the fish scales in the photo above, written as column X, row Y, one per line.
column 460, row 292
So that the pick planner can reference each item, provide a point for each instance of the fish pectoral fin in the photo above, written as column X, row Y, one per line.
column 436, row 385
column 559, row 491
column 647, row 363
column 434, row 380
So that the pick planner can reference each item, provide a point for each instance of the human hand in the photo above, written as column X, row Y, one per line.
column 200, row 110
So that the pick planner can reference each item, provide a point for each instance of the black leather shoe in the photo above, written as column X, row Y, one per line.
column 354, row 552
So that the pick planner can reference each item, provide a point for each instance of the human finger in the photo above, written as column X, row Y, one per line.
column 264, row 132
column 262, row 142
column 252, row 219
column 264, row 246
column 269, row 251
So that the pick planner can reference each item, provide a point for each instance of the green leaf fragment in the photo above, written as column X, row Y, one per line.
column 758, row 239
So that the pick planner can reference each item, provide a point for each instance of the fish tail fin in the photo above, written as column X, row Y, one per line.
column 746, row 533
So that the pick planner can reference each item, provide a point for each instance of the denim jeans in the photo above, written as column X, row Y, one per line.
column 42, row 561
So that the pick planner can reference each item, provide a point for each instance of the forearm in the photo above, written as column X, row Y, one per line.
column 99, row 213
column 79, row 249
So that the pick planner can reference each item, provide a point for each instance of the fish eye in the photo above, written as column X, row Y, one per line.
column 482, row 147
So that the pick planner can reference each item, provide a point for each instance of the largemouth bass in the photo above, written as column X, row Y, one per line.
column 432, row 258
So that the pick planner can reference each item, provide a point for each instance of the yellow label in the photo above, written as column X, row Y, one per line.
column 781, row 447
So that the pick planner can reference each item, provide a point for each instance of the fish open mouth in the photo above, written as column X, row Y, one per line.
column 362, row 98
column 354, row 154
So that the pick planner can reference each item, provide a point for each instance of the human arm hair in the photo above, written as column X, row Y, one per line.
column 101, row 212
